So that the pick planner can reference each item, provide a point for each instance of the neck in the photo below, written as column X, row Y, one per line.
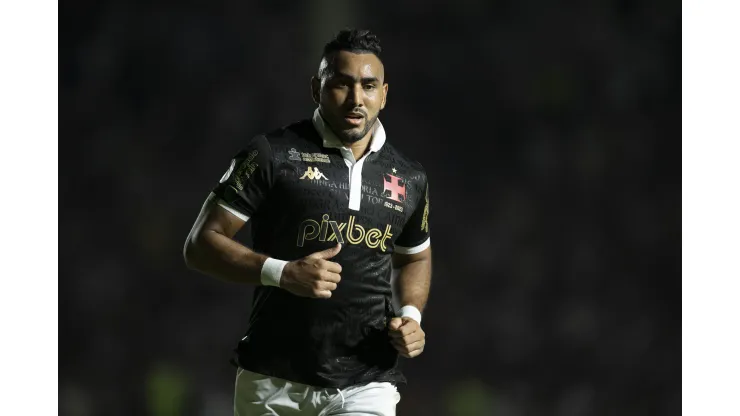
column 359, row 148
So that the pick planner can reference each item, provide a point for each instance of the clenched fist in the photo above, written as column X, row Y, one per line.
column 313, row 276
column 407, row 336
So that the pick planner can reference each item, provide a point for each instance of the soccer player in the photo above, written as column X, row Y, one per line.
column 334, row 208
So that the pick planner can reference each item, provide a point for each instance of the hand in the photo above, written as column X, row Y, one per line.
column 313, row 276
column 407, row 336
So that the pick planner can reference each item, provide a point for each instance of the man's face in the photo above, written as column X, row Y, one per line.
column 352, row 94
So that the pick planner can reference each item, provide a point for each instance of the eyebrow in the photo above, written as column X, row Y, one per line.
column 363, row 80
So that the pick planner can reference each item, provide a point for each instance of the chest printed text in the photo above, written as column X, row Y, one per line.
column 342, row 232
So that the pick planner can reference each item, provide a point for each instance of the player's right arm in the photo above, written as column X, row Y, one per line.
column 211, row 249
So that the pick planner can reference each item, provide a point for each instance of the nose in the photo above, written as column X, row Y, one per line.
column 355, row 96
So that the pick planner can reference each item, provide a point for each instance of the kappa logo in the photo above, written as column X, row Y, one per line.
column 314, row 174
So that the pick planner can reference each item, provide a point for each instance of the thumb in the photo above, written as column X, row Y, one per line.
column 328, row 253
column 395, row 324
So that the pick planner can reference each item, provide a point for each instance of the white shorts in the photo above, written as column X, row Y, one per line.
column 259, row 395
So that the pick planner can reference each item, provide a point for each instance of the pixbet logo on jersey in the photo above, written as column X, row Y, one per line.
column 355, row 233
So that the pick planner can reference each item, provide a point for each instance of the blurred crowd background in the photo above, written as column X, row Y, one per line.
column 551, row 135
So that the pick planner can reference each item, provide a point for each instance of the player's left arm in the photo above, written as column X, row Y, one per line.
column 413, row 260
column 412, row 286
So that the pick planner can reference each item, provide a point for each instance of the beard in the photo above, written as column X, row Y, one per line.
column 354, row 135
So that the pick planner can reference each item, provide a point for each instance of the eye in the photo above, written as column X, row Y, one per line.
column 369, row 86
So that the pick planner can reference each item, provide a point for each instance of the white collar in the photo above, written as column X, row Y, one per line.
column 331, row 140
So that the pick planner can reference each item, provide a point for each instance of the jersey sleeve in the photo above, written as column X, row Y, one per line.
column 415, row 236
column 247, row 182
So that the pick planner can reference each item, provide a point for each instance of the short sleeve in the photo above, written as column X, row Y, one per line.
column 248, row 180
column 415, row 236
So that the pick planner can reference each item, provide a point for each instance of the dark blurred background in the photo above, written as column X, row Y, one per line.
column 550, row 132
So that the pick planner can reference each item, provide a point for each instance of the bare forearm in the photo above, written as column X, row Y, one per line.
column 221, row 257
column 413, row 282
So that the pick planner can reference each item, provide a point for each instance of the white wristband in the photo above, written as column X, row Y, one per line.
column 272, row 271
column 412, row 312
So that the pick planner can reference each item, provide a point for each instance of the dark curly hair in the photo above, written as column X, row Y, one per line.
column 352, row 40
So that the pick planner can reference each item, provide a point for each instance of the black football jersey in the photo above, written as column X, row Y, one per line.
column 304, row 192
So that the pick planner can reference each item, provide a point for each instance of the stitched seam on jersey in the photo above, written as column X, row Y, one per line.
column 272, row 163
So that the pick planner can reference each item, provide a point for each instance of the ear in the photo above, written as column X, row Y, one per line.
column 385, row 96
column 315, row 89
